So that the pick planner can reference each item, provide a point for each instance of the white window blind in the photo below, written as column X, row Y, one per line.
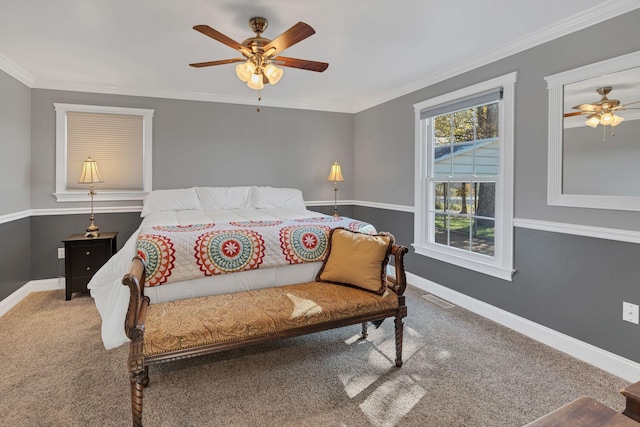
column 114, row 141
column 119, row 140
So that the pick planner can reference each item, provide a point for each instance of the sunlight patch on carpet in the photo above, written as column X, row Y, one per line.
column 391, row 401
column 356, row 383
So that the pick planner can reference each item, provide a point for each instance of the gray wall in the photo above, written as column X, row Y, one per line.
column 15, row 183
column 15, row 145
column 213, row 144
column 572, row 284
column 15, row 256
column 194, row 144
column 384, row 135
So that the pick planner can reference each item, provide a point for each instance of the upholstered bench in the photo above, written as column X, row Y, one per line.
column 197, row 326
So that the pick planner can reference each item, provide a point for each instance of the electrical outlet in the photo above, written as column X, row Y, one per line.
column 60, row 253
column 630, row 312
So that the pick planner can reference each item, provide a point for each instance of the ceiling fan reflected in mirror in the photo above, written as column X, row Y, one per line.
column 261, row 59
column 602, row 112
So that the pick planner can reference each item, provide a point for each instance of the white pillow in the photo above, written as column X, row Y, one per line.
column 269, row 197
column 170, row 200
column 224, row 197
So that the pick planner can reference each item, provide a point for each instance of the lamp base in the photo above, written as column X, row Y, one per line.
column 92, row 230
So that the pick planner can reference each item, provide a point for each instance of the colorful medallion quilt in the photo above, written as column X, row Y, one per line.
column 182, row 252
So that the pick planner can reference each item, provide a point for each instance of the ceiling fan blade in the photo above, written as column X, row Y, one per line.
column 585, row 107
column 575, row 113
column 629, row 103
column 217, row 35
column 221, row 62
column 300, row 63
column 293, row 35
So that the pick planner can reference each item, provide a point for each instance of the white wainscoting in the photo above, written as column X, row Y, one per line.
column 579, row 230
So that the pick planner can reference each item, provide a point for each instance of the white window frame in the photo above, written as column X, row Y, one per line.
column 63, row 194
column 501, row 263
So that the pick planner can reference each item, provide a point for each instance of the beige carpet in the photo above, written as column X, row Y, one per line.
column 460, row 370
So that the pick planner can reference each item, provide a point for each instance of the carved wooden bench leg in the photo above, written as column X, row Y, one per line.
column 137, row 385
column 399, row 331
column 364, row 331
column 145, row 380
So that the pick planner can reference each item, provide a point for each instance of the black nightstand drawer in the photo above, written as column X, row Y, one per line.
column 86, row 268
column 79, row 252
column 83, row 257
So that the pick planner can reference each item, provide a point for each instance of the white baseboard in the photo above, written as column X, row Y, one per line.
column 32, row 286
column 605, row 360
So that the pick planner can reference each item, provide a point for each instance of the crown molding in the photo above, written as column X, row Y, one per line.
column 595, row 15
column 185, row 95
column 584, row 19
column 15, row 71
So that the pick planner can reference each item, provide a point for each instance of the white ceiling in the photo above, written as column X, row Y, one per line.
column 377, row 49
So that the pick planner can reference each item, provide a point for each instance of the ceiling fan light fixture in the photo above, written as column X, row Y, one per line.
column 593, row 121
column 245, row 70
column 617, row 120
column 256, row 68
column 606, row 119
column 273, row 73
column 255, row 82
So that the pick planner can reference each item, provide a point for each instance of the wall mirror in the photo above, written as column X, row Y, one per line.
column 591, row 165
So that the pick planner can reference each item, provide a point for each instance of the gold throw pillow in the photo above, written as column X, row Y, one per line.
column 357, row 259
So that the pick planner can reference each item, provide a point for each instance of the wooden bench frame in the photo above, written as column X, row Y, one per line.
column 135, row 327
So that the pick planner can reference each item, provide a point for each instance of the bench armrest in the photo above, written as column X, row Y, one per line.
column 138, row 302
column 400, row 283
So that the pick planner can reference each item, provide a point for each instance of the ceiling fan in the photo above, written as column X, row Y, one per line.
column 261, row 55
column 603, row 111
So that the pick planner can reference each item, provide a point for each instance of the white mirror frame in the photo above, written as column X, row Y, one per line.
column 555, row 85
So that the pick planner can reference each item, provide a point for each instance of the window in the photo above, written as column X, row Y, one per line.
column 464, row 177
column 118, row 139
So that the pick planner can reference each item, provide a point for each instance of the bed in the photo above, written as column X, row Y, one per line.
column 196, row 217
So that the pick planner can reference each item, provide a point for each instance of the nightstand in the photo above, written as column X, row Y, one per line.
column 83, row 256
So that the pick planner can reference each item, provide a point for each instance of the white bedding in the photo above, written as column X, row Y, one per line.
column 111, row 297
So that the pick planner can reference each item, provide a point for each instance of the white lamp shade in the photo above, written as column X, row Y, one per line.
column 617, row 120
column 245, row 70
column 593, row 121
column 273, row 73
column 255, row 82
column 606, row 119
column 90, row 173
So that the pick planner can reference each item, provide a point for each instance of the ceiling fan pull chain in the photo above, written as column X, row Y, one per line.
column 259, row 99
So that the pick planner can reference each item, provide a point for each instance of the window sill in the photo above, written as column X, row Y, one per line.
column 101, row 196
column 471, row 262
